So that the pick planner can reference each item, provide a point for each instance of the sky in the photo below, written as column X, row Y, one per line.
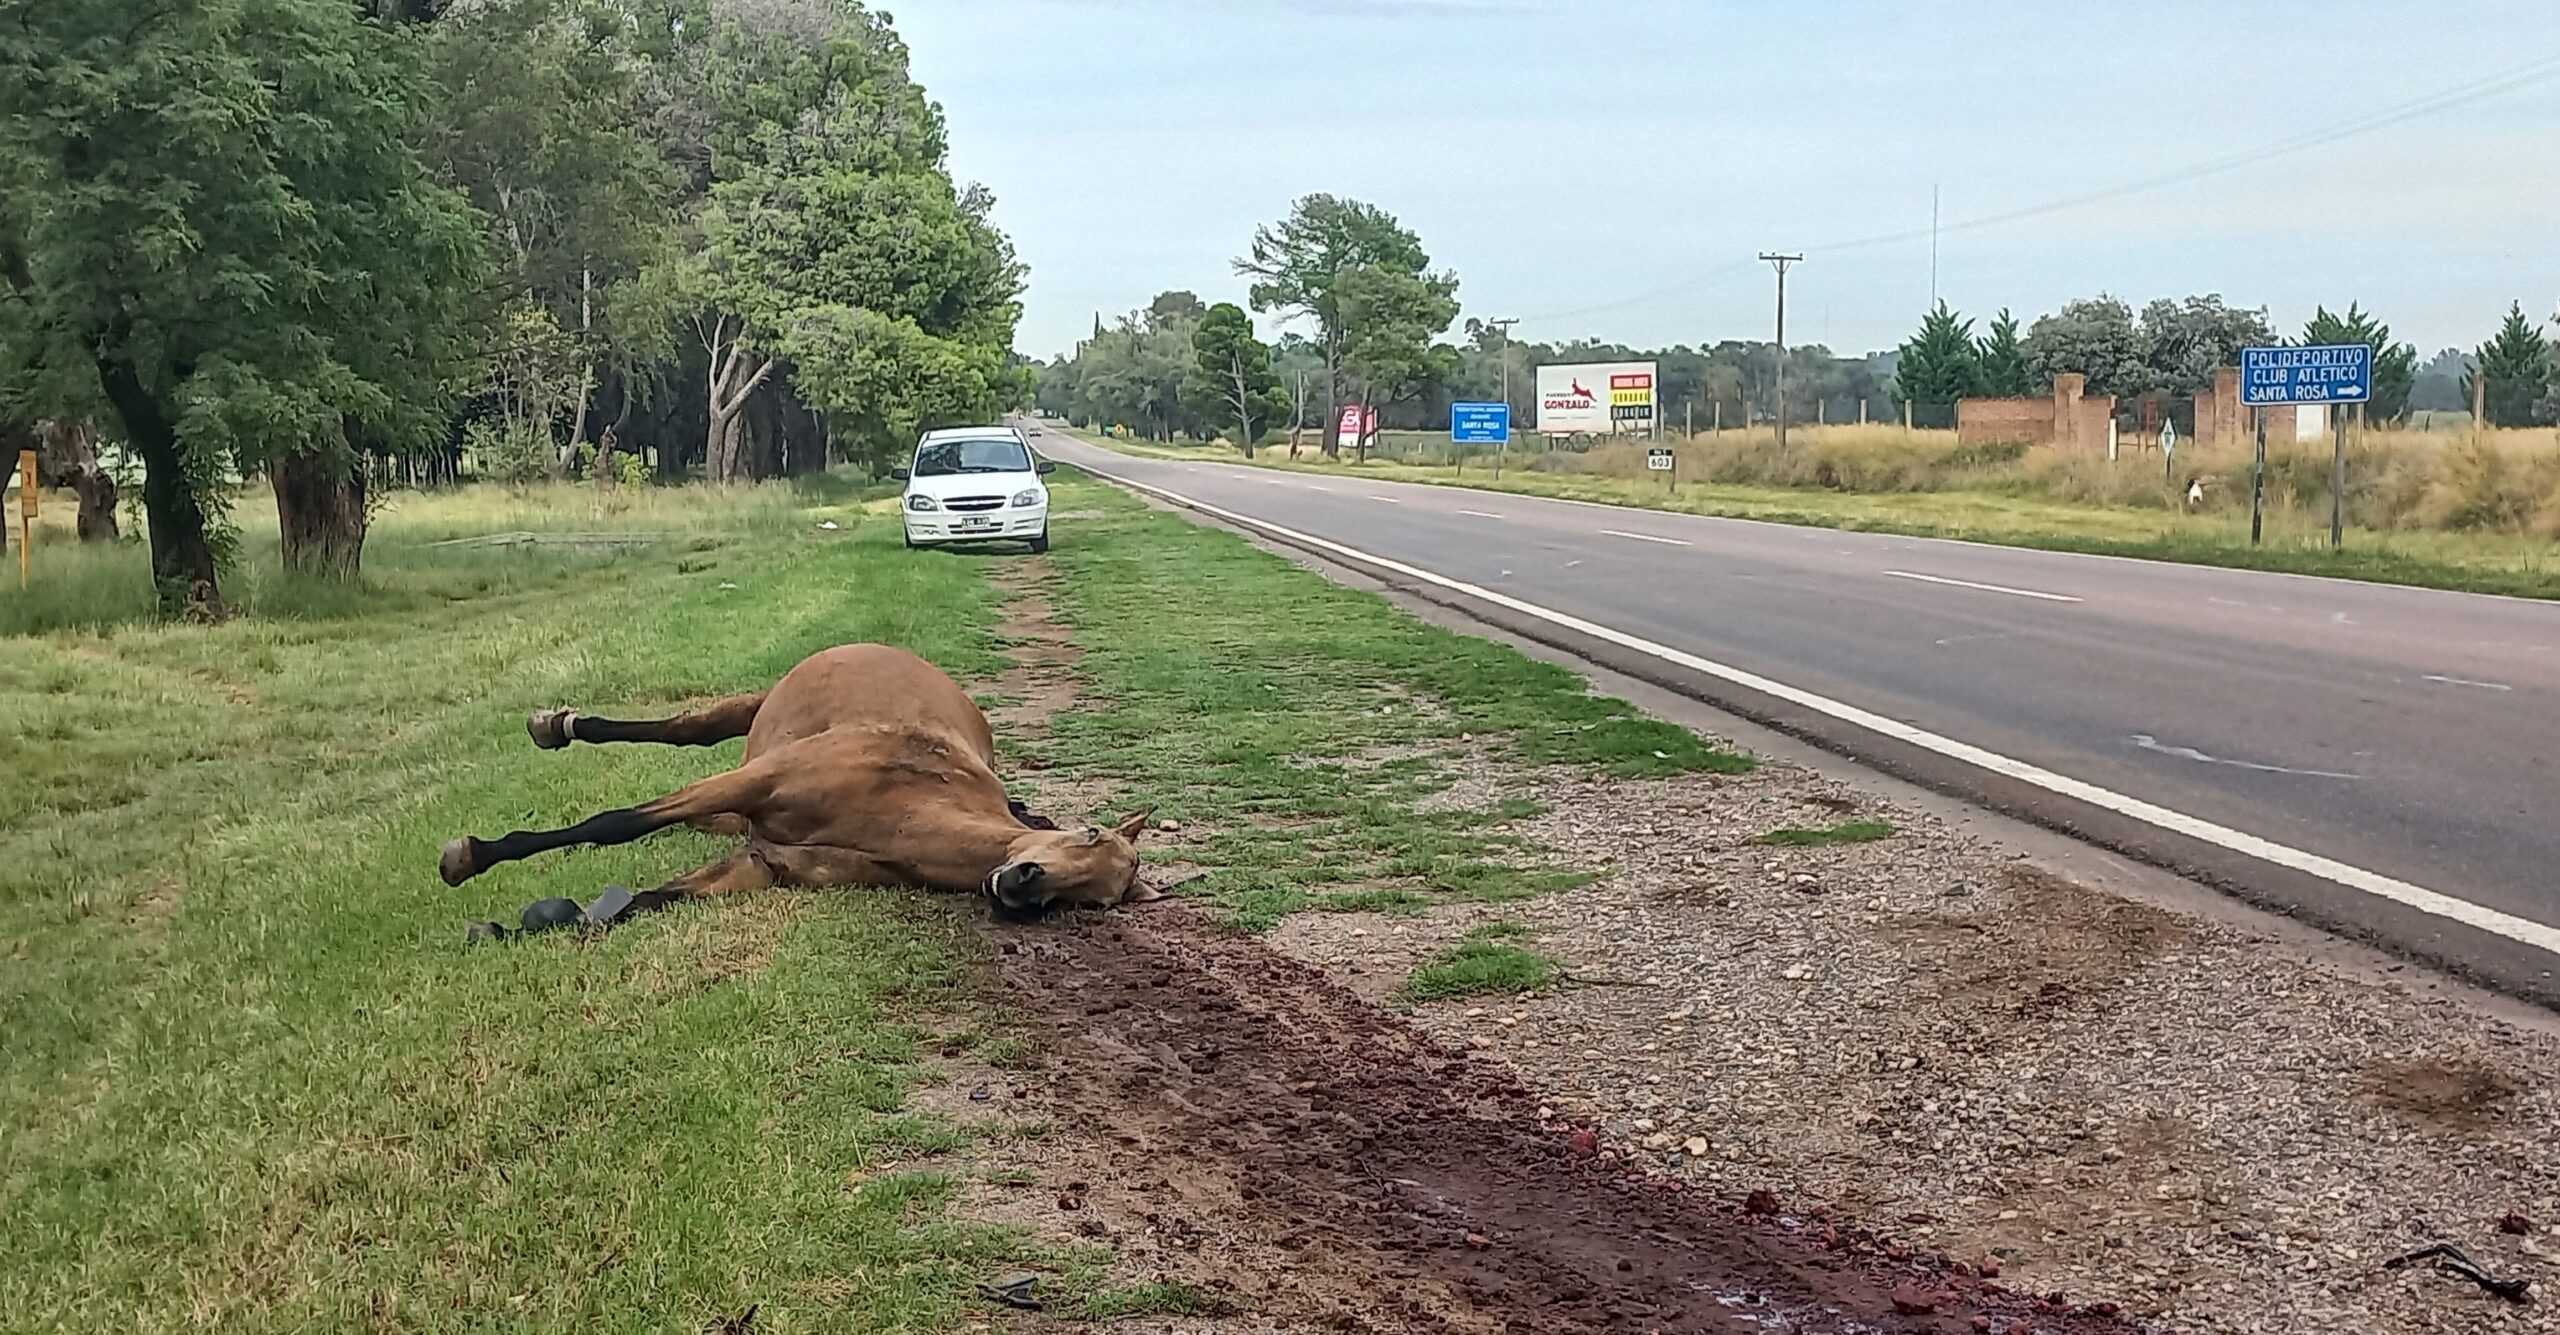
column 1610, row 168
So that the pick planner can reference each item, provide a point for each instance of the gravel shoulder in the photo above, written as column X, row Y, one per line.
column 2105, row 1097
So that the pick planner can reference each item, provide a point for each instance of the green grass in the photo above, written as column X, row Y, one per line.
column 2518, row 564
column 1301, row 721
column 1481, row 965
column 252, row 1082
column 1849, row 832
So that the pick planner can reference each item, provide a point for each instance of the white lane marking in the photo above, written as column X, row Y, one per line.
column 2150, row 743
column 2397, row 891
column 1644, row 537
column 2465, row 681
column 2342, row 619
column 1966, row 639
column 1313, row 487
column 1572, row 563
column 1987, row 588
column 1481, row 514
column 1388, row 499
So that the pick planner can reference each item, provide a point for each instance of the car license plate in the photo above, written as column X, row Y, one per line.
column 975, row 524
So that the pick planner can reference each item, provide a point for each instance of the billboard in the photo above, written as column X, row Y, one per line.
column 1596, row 398
column 1358, row 424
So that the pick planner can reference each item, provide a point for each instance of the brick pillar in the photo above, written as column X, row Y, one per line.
column 2230, row 422
column 2066, row 408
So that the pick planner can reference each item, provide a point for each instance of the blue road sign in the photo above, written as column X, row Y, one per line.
column 2338, row 374
column 1480, row 423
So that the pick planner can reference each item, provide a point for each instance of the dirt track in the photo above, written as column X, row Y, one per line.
column 1321, row 1164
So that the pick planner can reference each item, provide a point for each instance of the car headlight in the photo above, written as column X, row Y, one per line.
column 1029, row 497
column 923, row 503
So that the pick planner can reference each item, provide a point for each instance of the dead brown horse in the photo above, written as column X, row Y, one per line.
column 865, row 766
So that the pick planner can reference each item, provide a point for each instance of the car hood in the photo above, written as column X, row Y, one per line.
column 947, row 485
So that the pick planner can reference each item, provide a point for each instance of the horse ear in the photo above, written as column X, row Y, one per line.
column 1133, row 825
column 1140, row 892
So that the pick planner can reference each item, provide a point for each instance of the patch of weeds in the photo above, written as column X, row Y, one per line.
column 1480, row 965
column 1851, row 832
column 1498, row 931
column 1012, row 1177
column 1009, row 1053
column 1161, row 1298
column 1261, row 910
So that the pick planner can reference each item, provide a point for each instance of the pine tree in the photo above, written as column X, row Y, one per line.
column 2395, row 365
column 1938, row 365
column 2518, row 366
column 2002, row 362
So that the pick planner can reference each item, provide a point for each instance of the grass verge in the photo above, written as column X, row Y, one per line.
column 1483, row 964
column 1296, row 726
column 253, row 1083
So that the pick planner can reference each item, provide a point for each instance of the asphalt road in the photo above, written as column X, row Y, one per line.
column 2408, row 734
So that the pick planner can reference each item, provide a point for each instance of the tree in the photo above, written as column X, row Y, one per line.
column 2185, row 342
column 1234, row 371
column 841, row 220
column 2002, row 360
column 537, row 120
column 1938, row 364
column 240, row 245
column 2395, row 365
column 2515, row 370
column 1298, row 265
column 1390, row 319
column 2095, row 337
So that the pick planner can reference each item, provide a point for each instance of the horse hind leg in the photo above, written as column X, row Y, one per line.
column 717, row 722
column 720, row 802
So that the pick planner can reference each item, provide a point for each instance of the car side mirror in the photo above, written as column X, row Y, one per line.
column 898, row 474
column 1046, row 467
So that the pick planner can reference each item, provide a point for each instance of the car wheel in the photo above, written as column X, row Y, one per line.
column 911, row 541
column 1040, row 545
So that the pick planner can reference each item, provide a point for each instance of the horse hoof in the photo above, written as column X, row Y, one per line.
column 550, row 727
column 544, row 914
column 460, row 861
column 483, row 931
column 610, row 907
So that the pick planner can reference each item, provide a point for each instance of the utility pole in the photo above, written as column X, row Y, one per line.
column 1780, row 262
column 1503, row 326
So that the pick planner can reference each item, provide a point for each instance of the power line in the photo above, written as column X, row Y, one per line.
column 2446, row 99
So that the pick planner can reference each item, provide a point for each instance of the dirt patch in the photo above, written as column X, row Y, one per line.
column 2441, row 1095
column 1273, row 1138
column 1042, row 682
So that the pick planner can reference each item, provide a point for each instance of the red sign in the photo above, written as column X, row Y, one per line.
column 1358, row 424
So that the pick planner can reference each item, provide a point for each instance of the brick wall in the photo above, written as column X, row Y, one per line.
column 2066, row 417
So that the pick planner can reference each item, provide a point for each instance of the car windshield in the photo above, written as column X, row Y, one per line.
column 990, row 454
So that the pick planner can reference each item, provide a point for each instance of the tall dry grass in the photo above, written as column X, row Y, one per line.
column 2497, row 481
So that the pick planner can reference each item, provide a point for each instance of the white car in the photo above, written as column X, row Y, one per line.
column 975, row 484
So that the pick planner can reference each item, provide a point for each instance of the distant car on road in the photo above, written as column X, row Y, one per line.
column 975, row 484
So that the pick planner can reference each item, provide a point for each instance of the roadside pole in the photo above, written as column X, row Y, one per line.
column 27, row 514
column 2258, row 479
column 2338, row 481
column 1781, row 262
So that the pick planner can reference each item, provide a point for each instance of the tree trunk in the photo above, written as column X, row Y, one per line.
column 320, row 512
column 73, row 459
column 1331, row 441
column 1244, row 405
column 182, row 564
